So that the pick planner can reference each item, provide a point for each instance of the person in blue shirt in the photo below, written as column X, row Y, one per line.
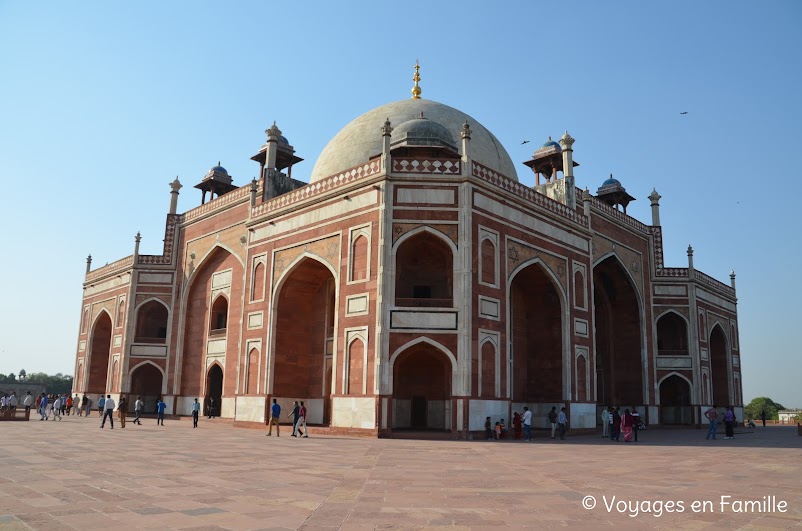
column 275, row 415
column 195, row 413
column 160, row 407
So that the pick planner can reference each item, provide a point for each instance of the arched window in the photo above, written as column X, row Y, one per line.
column 151, row 323
column 702, row 329
column 258, row 282
column 488, row 369
column 581, row 379
column 359, row 258
column 121, row 313
column 219, row 316
column 424, row 272
column 85, row 321
column 252, row 387
column 356, row 365
column 672, row 335
column 488, row 262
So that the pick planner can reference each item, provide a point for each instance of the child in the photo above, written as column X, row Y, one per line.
column 503, row 430
column 488, row 430
column 498, row 430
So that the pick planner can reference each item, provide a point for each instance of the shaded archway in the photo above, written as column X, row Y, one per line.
column 675, row 401
column 536, row 328
column 304, row 332
column 146, row 381
column 151, row 323
column 619, row 367
column 214, row 390
column 718, row 367
column 99, row 356
column 422, row 389
column 672, row 335
column 424, row 272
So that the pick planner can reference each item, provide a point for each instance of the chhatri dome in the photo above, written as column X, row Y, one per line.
column 361, row 140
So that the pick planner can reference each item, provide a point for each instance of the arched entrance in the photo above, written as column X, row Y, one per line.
column 718, row 367
column 146, row 381
column 422, row 389
column 304, row 331
column 675, row 401
column 214, row 390
column 99, row 357
column 672, row 335
column 619, row 368
column 536, row 327
column 424, row 272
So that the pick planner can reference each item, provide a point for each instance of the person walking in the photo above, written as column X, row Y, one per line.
column 108, row 411
column 12, row 402
column 47, row 405
column 301, row 420
column 275, row 415
column 195, row 413
column 122, row 410
column 28, row 401
column 211, row 407
column 626, row 425
column 562, row 420
column 57, row 407
column 763, row 417
column 553, row 420
column 635, row 422
column 729, row 423
column 101, row 405
column 615, row 432
column 516, row 425
column 138, row 405
column 605, row 420
column 712, row 416
column 160, row 407
column 527, row 420
column 295, row 414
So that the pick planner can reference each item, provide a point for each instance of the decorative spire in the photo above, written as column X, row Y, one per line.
column 416, row 89
column 654, row 197
column 690, row 250
column 274, row 132
column 387, row 128
column 566, row 141
column 466, row 130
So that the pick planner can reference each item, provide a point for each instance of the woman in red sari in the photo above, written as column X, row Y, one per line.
column 627, row 424
column 516, row 424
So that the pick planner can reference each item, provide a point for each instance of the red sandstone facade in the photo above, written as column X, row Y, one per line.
column 419, row 289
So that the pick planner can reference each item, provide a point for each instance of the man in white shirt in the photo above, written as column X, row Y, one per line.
column 108, row 407
column 12, row 402
column 527, row 419
column 138, row 405
column 562, row 420
column 28, row 402
column 605, row 420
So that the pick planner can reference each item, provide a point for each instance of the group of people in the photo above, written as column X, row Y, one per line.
column 298, row 415
column 522, row 425
column 9, row 402
column 729, row 422
column 615, row 424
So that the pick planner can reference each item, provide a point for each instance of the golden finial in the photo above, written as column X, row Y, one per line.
column 416, row 78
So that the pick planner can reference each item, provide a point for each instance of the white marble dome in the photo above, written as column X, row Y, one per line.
column 361, row 139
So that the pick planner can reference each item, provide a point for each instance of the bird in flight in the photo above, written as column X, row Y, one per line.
column 686, row 112
column 524, row 142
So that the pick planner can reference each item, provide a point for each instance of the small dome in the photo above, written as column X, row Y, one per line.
column 283, row 140
column 551, row 143
column 218, row 169
column 423, row 132
column 611, row 182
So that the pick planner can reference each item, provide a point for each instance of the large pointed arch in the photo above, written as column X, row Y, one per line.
column 148, row 381
column 720, row 365
column 675, row 392
column 621, row 355
column 535, row 377
column 98, row 353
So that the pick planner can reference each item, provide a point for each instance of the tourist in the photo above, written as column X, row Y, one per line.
column 138, row 405
column 498, row 431
column 763, row 417
column 302, row 420
column 516, row 425
column 63, row 404
column 160, row 407
column 122, row 411
column 488, row 429
column 87, row 406
column 69, row 404
column 211, row 407
column 76, row 405
column 195, row 413
column 527, row 424
column 615, row 432
column 57, row 407
column 729, row 423
column 28, row 402
column 712, row 415
column 552, row 416
column 605, row 420
column 752, row 424
column 626, row 425
column 562, row 420
column 295, row 413
column 3, row 402
column 12, row 401
column 275, row 415
column 47, row 402
column 635, row 422
column 101, row 403
column 108, row 411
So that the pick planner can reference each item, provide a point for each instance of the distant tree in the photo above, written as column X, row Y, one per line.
column 762, row 403
column 57, row 383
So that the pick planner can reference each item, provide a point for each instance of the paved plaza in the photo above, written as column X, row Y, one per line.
column 72, row 475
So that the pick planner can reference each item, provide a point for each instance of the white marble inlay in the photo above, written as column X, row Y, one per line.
column 423, row 320
column 428, row 195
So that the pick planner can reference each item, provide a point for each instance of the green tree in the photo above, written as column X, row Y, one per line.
column 762, row 403
column 58, row 383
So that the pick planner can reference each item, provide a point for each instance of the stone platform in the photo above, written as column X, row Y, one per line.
column 72, row 475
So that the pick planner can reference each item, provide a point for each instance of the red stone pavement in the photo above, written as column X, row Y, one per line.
column 72, row 475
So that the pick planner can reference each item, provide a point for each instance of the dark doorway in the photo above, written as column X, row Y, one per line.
column 419, row 412
column 99, row 358
column 718, row 367
column 146, row 381
column 214, row 390
column 675, row 401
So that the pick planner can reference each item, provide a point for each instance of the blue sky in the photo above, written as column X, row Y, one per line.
column 103, row 104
